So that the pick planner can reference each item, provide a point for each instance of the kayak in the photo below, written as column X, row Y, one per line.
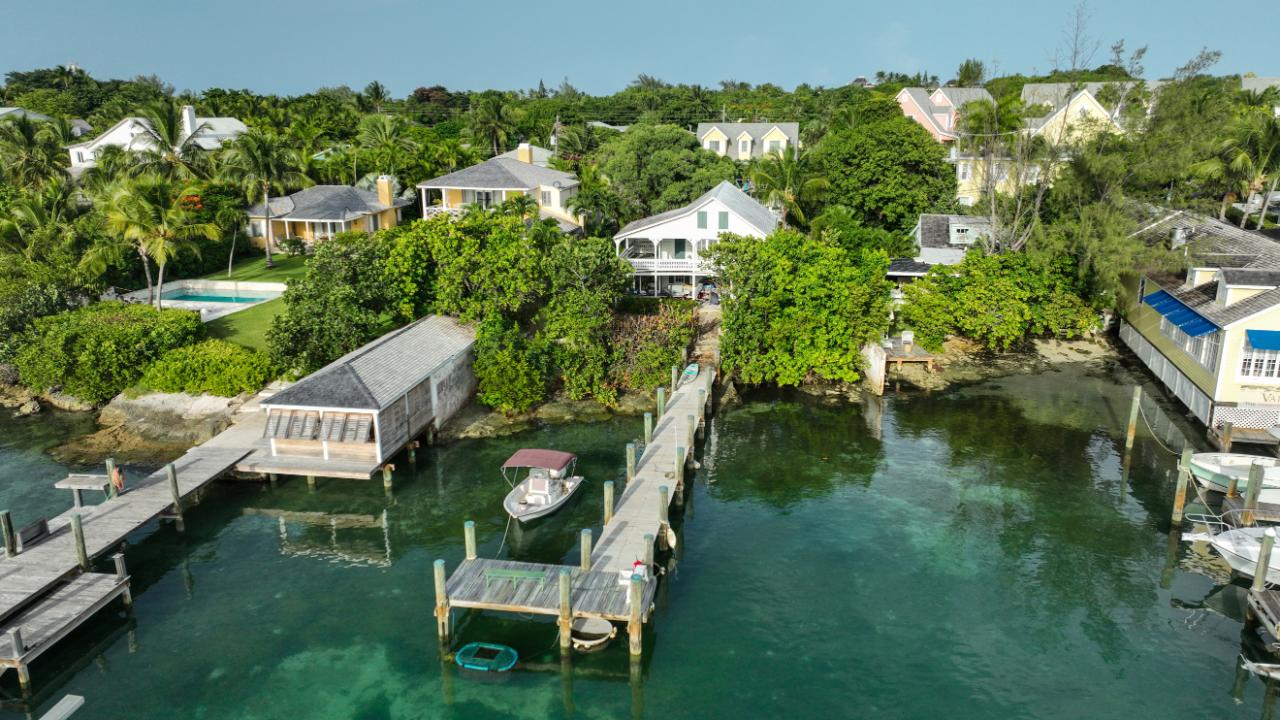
column 486, row 657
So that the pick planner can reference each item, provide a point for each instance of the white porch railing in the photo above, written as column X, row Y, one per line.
column 698, row 266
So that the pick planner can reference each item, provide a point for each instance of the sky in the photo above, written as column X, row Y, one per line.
column 295, row 46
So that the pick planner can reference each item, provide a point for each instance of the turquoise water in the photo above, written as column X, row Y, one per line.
column 209, row 295
column 969, row 554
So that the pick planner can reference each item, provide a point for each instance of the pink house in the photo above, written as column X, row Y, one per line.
column 938, row 112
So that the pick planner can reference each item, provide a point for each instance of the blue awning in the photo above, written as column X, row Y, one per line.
column 1263, row 339
column 1191, row 322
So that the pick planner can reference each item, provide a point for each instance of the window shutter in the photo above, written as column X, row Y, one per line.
column 724, row 220
column 702, row 219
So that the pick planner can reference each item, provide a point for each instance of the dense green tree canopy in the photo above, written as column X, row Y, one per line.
column 886, row 172
column 654, row 168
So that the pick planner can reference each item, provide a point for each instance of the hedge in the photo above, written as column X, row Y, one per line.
column 216, row 367
column 97, row 351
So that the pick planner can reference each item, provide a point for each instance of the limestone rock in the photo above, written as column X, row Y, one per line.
column 63, row 401
column 170, row 417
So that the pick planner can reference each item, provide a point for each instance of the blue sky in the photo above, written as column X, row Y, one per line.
column 293, row 46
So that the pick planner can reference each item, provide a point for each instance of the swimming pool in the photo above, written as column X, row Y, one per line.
column 213, row 295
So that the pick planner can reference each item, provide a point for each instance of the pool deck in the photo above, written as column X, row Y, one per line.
column 209, row 309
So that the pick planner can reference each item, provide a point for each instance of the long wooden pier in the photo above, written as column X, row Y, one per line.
column 615, row 580
column 46, row 587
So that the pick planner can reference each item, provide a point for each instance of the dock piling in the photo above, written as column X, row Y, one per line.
column 442, row 603
column 1251, row 494
column 679, row 468
column 631, row 462
column 662, row 401
column 1180, row 493
column 648, row 429
column 469, row 538
column 1233, row 487
column 566, row 610
column 175, row 494
column 311, row 482
column 6, row 531
column 123, row 576
column 634, row 627
column 77, row 530
column 111, row 473
column 648, row 552
column 692, row 424
column 1224, row 439
column 608, row 500
column 586, row 548
column 675, row 379
column 664, row 495
column 386, row 475
column 1132, row 430
column 1264, row 560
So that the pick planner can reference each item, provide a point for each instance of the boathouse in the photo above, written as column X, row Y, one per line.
column 365, row 406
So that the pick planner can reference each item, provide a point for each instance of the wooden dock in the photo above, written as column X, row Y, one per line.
column 604, row 584
column 47, row 589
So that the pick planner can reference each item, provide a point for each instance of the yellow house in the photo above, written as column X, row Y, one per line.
column 1077, row 118
column 747, row 141
column 501, row 178
column 1213, row 337
column 319, row 212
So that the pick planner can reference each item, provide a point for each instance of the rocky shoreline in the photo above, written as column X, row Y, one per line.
column 155, row 428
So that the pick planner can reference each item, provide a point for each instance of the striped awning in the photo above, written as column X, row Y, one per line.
column 1191, row 322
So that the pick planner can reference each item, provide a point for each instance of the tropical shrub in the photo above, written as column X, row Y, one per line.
column 646, row 345
column 511, row 371
column 998, row 300
column 799, row 307
column 216, row 367
column 341, row 303
column 95, row 352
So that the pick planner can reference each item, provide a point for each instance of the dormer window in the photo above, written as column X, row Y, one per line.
column 775, row 146
column 744, row 146
column 714, row 146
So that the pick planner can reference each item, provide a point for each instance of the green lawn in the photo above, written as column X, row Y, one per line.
column 286, row 268
column 247, row 327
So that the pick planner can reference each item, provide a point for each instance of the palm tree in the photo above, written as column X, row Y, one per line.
column 522, row 206
column 375, row 96
column 147, row 213
column 38, row 222
column 450, row 154
column 111, row 164
column 29, row 155
column 171, row 152
column 385, row 137
column 1245, row 157
column 260, row 162
column 595, row 202
column 785, row 182
column 493, row 122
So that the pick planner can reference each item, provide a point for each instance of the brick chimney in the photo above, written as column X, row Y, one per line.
column 188, row 120
column 386, row 191
column 524, row 153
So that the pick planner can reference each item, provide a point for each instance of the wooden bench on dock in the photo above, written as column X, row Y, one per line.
column 77, row 483
column 32, row 534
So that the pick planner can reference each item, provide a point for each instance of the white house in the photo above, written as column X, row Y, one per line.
column 668, row 250
column 131, row 134
column 746, row 141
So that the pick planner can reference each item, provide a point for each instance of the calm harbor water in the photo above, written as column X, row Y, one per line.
column 972, row 554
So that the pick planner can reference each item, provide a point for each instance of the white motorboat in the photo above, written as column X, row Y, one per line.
column 547, row 484
column 1215, row 471
column 1240, row 548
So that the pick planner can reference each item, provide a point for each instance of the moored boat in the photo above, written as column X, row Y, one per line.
column 592, row 633
column 548, row 483
column 1240, row 548
column 1215, row 471
column 486, row 657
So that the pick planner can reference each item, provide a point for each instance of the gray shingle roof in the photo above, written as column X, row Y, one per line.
column 541, row 155
column 746, row 207
column 961, row 95
column 755, row 130
column 14, row 112
column 935, row 229
column 1250, row 277
column 502, row 173
column 1203, row 300
column 1210, row 242
column 326, row 202
column 907, row 266
column 376, row 375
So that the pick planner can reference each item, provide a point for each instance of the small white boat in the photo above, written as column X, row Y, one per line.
column 1215, row 471
column 546, row 486
column 1240, row 548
